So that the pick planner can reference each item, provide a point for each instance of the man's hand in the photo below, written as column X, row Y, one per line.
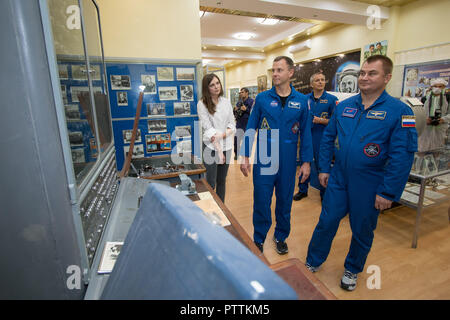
column 382, row 203
column 244, row 108
column 323, row 179
column 304, row 171
column 245, row 166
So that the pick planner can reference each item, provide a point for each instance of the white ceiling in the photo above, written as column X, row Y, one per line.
column 217, row 29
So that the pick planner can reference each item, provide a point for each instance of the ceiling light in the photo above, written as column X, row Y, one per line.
column 244, row 36
column 268, row 22
column 234, row 49
column 341, row 55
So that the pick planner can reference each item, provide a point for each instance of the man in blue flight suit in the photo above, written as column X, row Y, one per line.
column 241, row 112
column 373, row 138
column 321, row 105
column 279, row 115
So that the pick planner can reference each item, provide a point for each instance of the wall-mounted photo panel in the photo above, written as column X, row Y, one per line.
column 149, row 82
column 64, row 94
column 187, row 92
column 185, row 74
column 127, row 134
column 63, row 71
column 75, row 91
column 156, row 109
column 79, row 72
column 122, row 98
column 138, row 151
column 120, row 82
column 78, row 155
column 157, row 125
column 165, row 73
column 72, row 112
column 158, row 142
column 168, row 93
column 182, row 132
column 181, row 108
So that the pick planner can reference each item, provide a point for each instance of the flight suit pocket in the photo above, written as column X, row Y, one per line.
column 412, row 140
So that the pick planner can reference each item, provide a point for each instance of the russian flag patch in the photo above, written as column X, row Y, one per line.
column 408, row 121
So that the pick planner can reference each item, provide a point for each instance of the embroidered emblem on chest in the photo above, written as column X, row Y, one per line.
column 372, row 150
column 349, row 112
column 295, row 105
column 265, row 124
column 378, row 115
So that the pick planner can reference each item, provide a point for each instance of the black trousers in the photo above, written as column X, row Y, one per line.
column 216, row 174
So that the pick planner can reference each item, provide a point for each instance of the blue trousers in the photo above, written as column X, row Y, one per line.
column 284, row 184
column 354, row 194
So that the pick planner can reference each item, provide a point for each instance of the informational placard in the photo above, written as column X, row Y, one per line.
column 417, row 78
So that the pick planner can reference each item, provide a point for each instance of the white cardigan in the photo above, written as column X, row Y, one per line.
column 222, row 119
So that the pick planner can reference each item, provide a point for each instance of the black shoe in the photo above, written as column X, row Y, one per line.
column 280, row 246
column 300, row 195
column 259, row 246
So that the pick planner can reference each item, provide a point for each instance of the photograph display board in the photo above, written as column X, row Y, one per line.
column 417, row 78
column 169, row 107
column 74, row 82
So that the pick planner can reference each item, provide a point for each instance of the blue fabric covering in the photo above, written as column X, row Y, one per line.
column 173, row 251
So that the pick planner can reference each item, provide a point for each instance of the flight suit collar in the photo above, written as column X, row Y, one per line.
column 382, row 98
column 273, row 92
column 322, row 97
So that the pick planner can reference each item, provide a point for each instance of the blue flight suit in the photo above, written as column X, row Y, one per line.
column 322, row 107
column 374, row 151
column 292, row 120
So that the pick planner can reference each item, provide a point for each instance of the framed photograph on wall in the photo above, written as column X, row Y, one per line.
column 168, row 93
column 185, row 74
column 181, row 108
column 120, row 82
column 187, row 92
column 149, row 83
column 262, row 83
column 165, row 73
column 122, row 98
column 156, row 109
column 157, row 125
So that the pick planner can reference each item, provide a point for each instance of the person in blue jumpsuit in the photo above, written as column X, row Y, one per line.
column 373, row 138
column 279, row 115
column 321, row 106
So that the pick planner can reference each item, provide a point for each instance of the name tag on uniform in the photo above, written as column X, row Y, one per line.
column 293, row 104
column 323, row 101
column 408, row 121
column 349, row 112
column 378, row 115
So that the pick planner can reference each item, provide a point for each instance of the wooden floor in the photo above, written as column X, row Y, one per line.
column 406, row 273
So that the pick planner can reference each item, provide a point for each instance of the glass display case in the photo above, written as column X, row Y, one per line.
column 428, row 184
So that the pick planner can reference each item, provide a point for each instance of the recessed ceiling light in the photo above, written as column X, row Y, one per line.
column 268, row 22
column 341, row 55
column 244, row 36
column 234, row 49
column 282, row 43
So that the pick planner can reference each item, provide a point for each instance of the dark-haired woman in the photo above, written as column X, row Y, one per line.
column 218, row 125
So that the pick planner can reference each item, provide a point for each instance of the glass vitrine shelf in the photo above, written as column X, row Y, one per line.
column 428, row 184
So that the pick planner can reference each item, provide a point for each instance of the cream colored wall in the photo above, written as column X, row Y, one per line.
column 155, row 29
column 407, row 27
column 423, row 23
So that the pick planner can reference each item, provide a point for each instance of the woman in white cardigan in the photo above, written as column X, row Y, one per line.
column 217, row 120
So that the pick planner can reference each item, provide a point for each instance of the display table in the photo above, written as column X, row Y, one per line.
column 293, row 271
column 430, row 189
